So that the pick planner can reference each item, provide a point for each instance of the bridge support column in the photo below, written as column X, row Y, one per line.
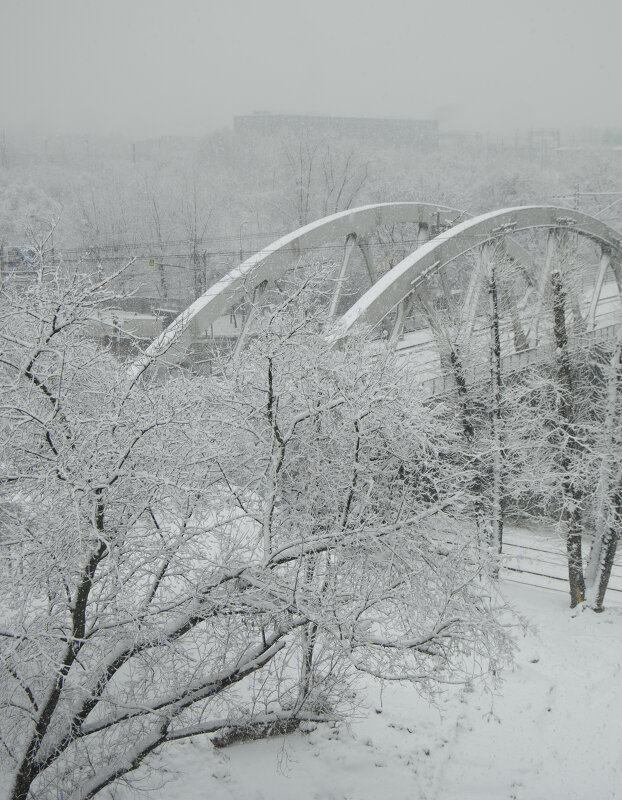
column 566, row 255
column 481, row 271
column 521, row 342
column 369, row 264
column 471, row 298
column 423, row 235
column 605, row 261
column 257, row 294
column 553, row 247
column 400, row 318
column 577, row 316
column 347, row 254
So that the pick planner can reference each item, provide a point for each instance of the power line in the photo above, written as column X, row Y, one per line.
column 234, row 253
column 583, row 194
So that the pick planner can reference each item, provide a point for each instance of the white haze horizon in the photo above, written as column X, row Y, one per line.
column 150, row 68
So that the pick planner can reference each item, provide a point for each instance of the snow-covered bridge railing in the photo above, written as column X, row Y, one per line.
column 515, row 362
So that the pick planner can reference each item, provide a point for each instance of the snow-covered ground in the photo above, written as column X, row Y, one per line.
column 552, row 730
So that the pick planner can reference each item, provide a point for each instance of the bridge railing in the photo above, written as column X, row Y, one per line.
column 515, row 362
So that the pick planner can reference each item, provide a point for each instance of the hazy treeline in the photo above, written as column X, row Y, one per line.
column 226, row 195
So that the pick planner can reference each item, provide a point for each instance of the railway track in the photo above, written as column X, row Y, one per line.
column 539, row 559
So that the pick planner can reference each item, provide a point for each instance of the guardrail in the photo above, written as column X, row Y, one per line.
column 542, row 563
column 515, row 362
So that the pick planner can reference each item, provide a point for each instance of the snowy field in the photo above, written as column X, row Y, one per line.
column 552, row 730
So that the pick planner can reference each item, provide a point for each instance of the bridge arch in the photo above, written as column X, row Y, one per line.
column 388, row 292
column 353, row 225
column 404, row 278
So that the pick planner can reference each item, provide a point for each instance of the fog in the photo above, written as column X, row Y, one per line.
column 156, row 67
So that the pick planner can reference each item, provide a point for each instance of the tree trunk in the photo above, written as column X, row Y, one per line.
column 609, row 510
column 571, row 495
column 496, row 389
column 608, row 552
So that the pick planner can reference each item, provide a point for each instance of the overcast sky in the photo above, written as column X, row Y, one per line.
column 153, row 67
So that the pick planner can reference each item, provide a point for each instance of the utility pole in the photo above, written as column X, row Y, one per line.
column 577, row 201
column 197, row 267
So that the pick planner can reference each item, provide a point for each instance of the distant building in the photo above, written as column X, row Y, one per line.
column 378, row 132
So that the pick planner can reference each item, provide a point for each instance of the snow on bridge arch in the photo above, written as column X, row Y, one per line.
column 353, row 225
column 418, row 267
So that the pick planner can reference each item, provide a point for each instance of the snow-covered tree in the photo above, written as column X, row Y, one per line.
column 186, row 555
column 608, row 493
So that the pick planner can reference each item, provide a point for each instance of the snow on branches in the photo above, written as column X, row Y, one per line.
column 187, row 554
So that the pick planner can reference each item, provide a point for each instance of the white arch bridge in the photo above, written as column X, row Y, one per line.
column 446, row 269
